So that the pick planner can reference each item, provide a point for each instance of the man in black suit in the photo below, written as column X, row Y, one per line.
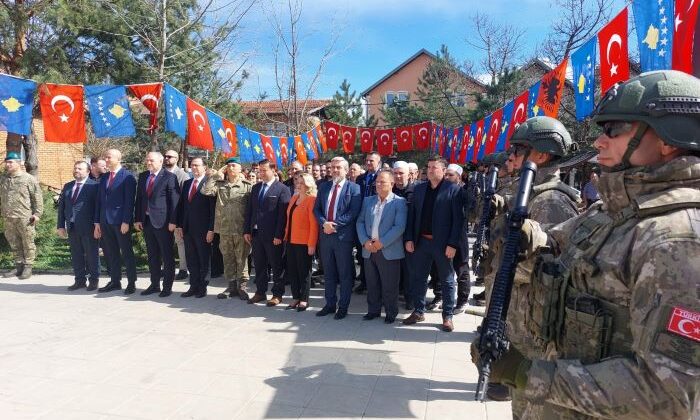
column 366, row 181
column 157, row 197
column 195, row 223
column 264, row 227
column 435, row 222
column 115, row 205
column 76, row 219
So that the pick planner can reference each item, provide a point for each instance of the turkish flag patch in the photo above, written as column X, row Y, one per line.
column 685, row 323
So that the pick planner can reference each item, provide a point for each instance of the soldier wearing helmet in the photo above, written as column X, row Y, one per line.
column 615, row 300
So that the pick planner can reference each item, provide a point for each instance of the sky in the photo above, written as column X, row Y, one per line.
column 375, row 36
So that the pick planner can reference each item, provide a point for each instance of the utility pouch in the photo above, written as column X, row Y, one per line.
column 545, row 298
column 587, row 330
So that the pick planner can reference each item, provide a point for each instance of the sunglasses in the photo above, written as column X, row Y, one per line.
column 518, row 150
column 614, row 129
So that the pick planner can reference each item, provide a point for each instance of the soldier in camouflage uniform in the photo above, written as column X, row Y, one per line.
column 232, row 193
column 22, row 206
column 615, row 300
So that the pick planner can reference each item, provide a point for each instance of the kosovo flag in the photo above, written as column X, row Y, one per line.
column 314, row 134
column 501, row 144
column 175, row 112
column 485, row 134
column 310, row 155
column 109, row 111
column 256, row 146
column 583, row 62
column 470, row 150
column 532, row 109
column 16, row 99
column 654, row 21
column 245, row 150
column 291, row 150
column 278, row 151
column 218, row 133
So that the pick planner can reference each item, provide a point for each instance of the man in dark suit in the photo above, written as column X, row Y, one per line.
column 157, row 197
column 195, row 223
column 264, row 227
column 336, row 208
column 435, row 221
column 76, row 219
column 115, row 206
column 366, row 181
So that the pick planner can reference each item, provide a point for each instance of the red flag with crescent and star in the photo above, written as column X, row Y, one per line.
column 300, row 149
column 462, row 158
column 332, row 134
column 685, row 21
column 685, row 323
column 442, row 140
column 421, row 132
column 551, row 89
column 230, row 129
column 494, row 131
column 149, row 95
column 614, row 56
column 385, row 141
column 519, row 114
column 478, row 139
column 404, row 139
column 63, row 113
column 348, row 134
column 198, row 132
column 267, row 147
column 284, row 151
column 366, row 139
column 455, row 144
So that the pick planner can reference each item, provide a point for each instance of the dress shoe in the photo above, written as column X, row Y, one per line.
column 165, row 293
column 498, row 392
column 92, row 285
column 369, row 317
column 181, row 275
column 292, row 305
column 413, row 318
column 274, row 301
column 433, row 304
column 77, row 285
column 389, row 319
column 360, row 289
column 110, row 287
column 302, row 306
column 447, row 325
column 479, row 298
column 257, row 298
column 189, row 292
column 130, row 289
column 150, row 290
column 325, row 311
column 341, row 313
column 243, row 295
column 201, row 293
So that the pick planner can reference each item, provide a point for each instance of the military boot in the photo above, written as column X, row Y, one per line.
column 26, row 272
column 231, row 290
column 13, row 272
column 241, row 290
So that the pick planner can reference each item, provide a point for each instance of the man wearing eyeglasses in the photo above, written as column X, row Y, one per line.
column 170, row 164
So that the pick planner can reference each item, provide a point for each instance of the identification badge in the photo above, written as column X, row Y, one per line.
column 685, row 323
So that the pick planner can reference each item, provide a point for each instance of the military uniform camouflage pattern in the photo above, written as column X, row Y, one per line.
column 20, row 198
column 231, row 200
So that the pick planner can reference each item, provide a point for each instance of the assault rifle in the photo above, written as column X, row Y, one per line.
column 493, row 343
column 485, row 221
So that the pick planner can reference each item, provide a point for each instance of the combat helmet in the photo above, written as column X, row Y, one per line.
column 544, row 134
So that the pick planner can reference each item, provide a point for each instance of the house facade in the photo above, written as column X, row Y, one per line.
column 270, row 117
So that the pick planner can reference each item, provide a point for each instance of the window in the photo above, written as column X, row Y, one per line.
column 389, row 98
column 402, row 96
column 459, row 99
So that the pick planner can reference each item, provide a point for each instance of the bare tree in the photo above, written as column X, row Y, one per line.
column 501, row 44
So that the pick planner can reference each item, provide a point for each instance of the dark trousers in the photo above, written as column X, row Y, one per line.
column 118, row 246
column 425, row 254
column 198, row 255
column 338, row 269
column 84, row 256
column 360, row 262
column 435, row 282
column 382, row 278
column 299, row 271
column 266, row 253
column 159, row 245
column 461, row 268
column 405, row 280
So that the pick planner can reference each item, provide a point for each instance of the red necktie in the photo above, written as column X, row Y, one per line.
column 193, row 190
column 331, row 205
column 149, row 187
column 76, row 192
column 110, row 180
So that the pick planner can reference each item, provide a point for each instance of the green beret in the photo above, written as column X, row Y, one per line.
column 13, row 156
column 233, row 160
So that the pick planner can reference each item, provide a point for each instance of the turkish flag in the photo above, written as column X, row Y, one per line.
column 685, row 323
column 462, row 158
column 421, row 132
column 301, row 151
column 284, row 150
column 551, row 89
column 149, row 95
column 404, row 139
column 385, row 141
column 332, row 134
column 455, row 143
column 267, row 147
column 348, row 134
column 684, row 35
column 198, row 132
column 614, row 56
column 442, row 141
column 230, row 129
column 366, row 139
column 494, row 131
column 478, row 138
column 519, row 115
column 63, row 113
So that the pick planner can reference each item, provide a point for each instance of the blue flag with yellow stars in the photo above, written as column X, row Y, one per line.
column 654, row 21
column 310, row 155
column 533, row 110
column 175, row 111
column 109, row 111
column 16, row 99
column 583, row 62
column 472, row 141
column 505, row 122
column 484, row 136
column 278, row 151
column 256, row 146
column 245, row 149
column 218, row 133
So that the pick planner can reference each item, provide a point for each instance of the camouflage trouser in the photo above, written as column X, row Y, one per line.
column 235, row 251
column 20, row 235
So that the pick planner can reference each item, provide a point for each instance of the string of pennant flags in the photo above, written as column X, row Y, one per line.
column 665, row 33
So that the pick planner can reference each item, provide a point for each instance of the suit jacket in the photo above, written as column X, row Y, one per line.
column 115, row 205
column 391, row 226
column 162, row 204
column 349, row 205
column 271, row 217
column 80, row 216
column 196, row 216
column 363, row 181
column 304, row 227
column 448, row 217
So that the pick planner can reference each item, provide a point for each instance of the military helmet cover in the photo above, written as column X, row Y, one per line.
column 544, row 134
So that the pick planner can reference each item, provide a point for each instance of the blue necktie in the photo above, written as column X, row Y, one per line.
column 261, row 197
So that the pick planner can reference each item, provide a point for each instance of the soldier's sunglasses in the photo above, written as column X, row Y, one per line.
column 614, row 129
column 518, row 150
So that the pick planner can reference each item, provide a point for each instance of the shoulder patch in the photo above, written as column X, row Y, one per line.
column 685, row 323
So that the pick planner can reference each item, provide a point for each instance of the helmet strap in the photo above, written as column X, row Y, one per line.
column 631, row 147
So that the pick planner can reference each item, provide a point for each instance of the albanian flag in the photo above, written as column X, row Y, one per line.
column 551, row 90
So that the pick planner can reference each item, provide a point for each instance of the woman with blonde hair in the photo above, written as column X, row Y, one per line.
column 301, row 237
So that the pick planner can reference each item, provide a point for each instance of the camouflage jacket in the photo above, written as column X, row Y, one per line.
column 231, row 201
column 20, row 196
column 645, row 261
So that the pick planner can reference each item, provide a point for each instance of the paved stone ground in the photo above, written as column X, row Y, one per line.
column 80, row 355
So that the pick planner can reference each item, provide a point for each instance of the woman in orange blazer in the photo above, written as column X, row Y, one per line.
column 301, row 238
